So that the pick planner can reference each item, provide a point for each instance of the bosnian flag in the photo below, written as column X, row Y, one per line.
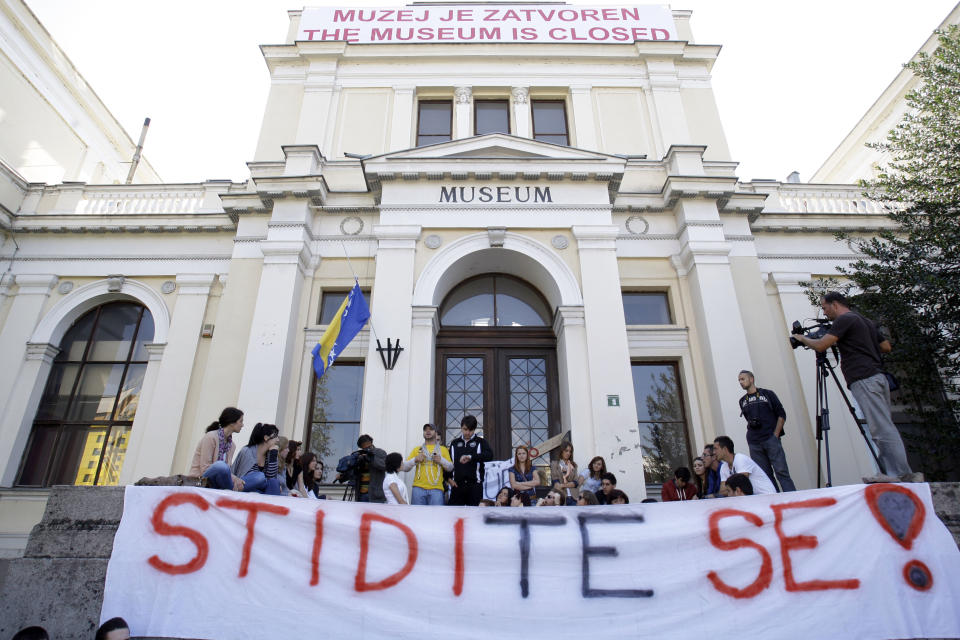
column 350, row 318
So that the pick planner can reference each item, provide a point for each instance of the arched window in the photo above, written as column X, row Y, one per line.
column 82, row 426
column 494, row 301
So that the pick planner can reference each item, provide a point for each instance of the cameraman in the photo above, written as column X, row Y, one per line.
column 860, row 347
column 765, row 417
column 368, row 466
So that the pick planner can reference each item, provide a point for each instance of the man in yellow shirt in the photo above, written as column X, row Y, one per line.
column 431, row 459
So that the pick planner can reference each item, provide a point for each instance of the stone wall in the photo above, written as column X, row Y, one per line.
column 58, row 583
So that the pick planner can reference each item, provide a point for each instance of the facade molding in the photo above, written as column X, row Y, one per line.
column 68, row 309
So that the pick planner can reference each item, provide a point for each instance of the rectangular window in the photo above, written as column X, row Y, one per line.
column 550, row 121
column 330, row 301
column 335, row 414
column 646, row 307
column 434, row 121
column 491, row 116
column 660, row 419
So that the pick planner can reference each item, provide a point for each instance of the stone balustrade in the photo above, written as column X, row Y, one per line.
column 132, row 200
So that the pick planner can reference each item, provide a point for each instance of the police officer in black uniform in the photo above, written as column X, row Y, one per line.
column 469, row 451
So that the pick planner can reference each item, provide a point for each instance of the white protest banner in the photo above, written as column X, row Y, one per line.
column 487, row 23
column 847, row 562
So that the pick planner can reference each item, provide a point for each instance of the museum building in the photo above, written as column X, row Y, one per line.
column 550, row 232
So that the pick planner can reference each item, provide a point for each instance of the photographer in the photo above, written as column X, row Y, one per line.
column 765, row 417
column 365, row 468
column 860, row 347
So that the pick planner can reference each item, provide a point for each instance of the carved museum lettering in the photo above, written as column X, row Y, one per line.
column 501, row 194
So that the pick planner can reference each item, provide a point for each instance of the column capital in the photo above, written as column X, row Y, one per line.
column 596, row 237
column 31, row 284
column 568, row 316
column 580, row 89
column 789, row 282
column 521, row 95
column 426, row 316
column 197, row 284
column 6, row 281
column 155, row 350
column 397, row 236
column 41, row 351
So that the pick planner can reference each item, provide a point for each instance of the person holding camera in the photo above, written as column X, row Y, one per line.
column 365, row 468
column 765, row 417
column 431, row 460
column 861, row 345
column 469, row 452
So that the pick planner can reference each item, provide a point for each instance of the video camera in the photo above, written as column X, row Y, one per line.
column 814, row 331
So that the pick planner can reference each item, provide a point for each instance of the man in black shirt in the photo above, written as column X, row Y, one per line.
column 469, row 451
column 860, row 347
column 764, row 413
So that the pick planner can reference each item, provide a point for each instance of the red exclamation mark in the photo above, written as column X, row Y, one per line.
column 901, row 514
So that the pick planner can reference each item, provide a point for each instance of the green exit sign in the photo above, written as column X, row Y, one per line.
column 613, row 401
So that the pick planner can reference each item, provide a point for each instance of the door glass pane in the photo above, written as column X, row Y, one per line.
column 115, row 330
column 96, row 392
column 130, row 394
column 664, row 449
column 330, row 441
column 646, row 308
column 464, row 393
column 469, row 305
column 113, row 455
column 518, row 306
column 529, row 419
column 53, row 404
column 492, row 116
column 37, row 458
column 74, row 342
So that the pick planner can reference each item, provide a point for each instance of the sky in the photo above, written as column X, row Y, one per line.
column 792, row 79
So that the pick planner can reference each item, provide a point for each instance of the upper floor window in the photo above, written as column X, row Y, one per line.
column 491, row 116
column 330, row 301
column 550, row 121
column 434, row 121
column 494, row 301
column 648, row 307
column 82, row 426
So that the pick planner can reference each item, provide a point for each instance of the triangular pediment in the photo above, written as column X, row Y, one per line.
column 493, row 147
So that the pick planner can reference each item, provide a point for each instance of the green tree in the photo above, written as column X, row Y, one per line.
column 910, row 275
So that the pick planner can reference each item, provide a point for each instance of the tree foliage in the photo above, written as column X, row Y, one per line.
column 910, row 274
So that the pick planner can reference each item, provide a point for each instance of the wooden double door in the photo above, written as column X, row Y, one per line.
column 506, row 377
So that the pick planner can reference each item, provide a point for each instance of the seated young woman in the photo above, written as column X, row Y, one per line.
column 308, row 480
column 257, row 463
column 523, row 477
column 214, row 453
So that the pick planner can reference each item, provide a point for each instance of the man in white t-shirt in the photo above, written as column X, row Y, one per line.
column 731, row 463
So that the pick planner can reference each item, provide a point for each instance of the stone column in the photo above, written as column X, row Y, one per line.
column 574, row 381
column 581, row 107
column 608, row 357
column 402, row 122
column 24, row 314
column 666, row 107
column 422, row 354
column 386, row 394
column 152, row 448
column 21, row 406
column 521, row 112
column 463, row 112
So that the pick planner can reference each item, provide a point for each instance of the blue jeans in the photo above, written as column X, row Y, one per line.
column 218, row 476
column 771, row 458
column 432, row 497
column 255, row 481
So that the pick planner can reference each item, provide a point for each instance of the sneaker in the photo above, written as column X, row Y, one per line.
column 916, row 476
column 880, row 477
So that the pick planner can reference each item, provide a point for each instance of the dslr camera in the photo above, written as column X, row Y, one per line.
column 816, row 330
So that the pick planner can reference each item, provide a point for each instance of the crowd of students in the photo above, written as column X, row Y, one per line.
column 453, row 475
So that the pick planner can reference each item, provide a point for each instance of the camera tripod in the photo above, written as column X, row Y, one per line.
column 824, row 371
